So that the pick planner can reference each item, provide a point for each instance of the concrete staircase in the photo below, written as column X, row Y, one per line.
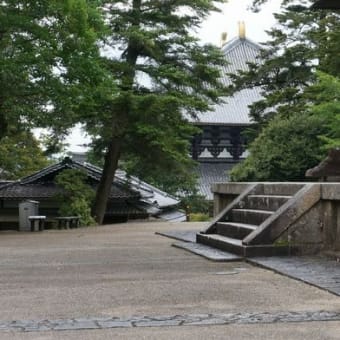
column 253, row 222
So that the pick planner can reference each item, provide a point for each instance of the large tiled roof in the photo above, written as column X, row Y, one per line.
column 209, row 173
column 234, row 110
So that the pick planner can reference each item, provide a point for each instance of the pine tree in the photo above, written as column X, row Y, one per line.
column 298, row 117
column 303, row 41
column 162, row 74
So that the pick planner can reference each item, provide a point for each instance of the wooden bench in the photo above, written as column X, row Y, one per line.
column 67, row 222
column 37, row 222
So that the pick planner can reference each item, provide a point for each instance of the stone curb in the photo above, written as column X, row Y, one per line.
column 167, row 321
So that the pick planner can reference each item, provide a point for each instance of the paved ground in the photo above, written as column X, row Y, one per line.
column 322, row 272
column 127, row 273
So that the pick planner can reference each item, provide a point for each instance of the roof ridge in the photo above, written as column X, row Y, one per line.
column 235, row 42
column 41, row 173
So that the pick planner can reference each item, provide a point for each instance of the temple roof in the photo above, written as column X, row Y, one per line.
column 234, row 110
column 210, row 173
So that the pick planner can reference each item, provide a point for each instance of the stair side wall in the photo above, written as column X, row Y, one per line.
column 317, row 230
column 290, row 212
column 225, row 193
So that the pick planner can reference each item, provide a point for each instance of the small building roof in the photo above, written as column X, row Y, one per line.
column 40, row 185
column 148, row 193
column 235, row 109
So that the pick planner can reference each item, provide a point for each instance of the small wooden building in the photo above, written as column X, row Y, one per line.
column 130, row 198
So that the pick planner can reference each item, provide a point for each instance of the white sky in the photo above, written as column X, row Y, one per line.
column 235, row 11
column 210, row 32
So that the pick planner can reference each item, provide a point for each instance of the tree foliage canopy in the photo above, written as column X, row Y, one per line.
column 284, row 150
column 47, row 50
column 20, row 155
column 298, row 117
column 324, row 97
column 130, row 71
column 76, row 197
column 303, row 41
column 162, row 73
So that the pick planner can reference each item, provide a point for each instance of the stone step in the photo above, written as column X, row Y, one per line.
column 286, row 189
column 234, row 229
column 249, row 216
column 266, row 202
column 221, row 242
column 236, row 247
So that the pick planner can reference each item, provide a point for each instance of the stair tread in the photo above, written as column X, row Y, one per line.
column 268, row 212
column 226, row 239
column 237, row 242
column 236, row 246
column 239, row 224
column 275, row 196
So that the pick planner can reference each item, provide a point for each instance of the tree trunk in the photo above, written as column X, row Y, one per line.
column 105, row 183
column 118, row 123
column 3, row 123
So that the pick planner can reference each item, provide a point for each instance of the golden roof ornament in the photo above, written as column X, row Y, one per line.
column 224, row 38
column 241, row 30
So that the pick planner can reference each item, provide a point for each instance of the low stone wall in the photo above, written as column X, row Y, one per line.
column 316, row 230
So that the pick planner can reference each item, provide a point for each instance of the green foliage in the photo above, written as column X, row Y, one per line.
column 197, row 217
column 288, row 61
column 48, row 58
column 325, row 96
column 299, row 112
column 76, row 196
column 284, row 150
column 161, row 71
column 197, row 204
column 20, row 155
column 150, row 153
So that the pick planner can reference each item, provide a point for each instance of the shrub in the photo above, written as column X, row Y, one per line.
column 284, row 150
column 199, row 217
column 76, row 197
column 197, row 204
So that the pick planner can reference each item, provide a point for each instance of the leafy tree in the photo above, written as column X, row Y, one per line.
column 162, row 73
column 303, row 40
column 149, row 153
column 324, row 97
column 76, row 197
column 47, row 55
column 284, row 150
column 20, row 155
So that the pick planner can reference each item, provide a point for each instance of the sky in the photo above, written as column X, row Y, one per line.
column 210, row 32
column 235, row 11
